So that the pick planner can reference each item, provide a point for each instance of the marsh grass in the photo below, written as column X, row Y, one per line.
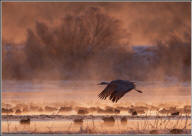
column 155, row 126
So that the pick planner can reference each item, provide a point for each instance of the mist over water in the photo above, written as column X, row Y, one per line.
column 85, row 94
column 92, row 45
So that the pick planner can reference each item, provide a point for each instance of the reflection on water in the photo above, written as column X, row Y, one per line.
column 96, row 125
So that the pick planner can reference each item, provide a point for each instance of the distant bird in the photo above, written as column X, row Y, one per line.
column 117, row 89
column 175, row 113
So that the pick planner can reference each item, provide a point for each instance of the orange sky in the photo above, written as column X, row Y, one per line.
column 145, row 21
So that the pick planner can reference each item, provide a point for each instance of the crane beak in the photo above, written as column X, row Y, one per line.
column 139, row 91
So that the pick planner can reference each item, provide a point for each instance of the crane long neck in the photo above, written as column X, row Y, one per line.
column 105, row 83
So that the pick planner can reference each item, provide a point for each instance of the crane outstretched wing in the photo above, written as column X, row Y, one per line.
column 119, row 92
column 109, row 89
column 115, row 91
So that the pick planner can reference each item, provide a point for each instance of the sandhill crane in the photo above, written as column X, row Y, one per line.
column 117, row 89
